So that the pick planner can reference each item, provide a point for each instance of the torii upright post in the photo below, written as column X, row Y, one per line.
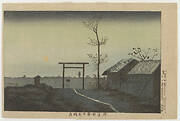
column 72, row 67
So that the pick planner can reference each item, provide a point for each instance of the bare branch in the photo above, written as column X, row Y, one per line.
column 148, row 54
column 92, row 25
column 94, row 58
column 135, row 55
column 103, row 41
column 93, row 42
column 103, row 58
column 155, row 53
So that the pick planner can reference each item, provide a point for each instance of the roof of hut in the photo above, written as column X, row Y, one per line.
column 141, row 67
column 145, row 67
column 118, row 66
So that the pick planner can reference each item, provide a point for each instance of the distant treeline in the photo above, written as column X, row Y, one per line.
column 49, row 77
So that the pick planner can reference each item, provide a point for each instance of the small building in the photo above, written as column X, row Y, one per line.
column 139, row 78
column 37, row 80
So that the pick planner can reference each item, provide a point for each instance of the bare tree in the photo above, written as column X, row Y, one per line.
column 98, row 58
column 144, row 54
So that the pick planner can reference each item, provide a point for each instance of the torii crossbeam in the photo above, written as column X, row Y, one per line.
column 71, row 67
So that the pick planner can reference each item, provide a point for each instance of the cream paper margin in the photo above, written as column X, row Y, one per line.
column 168, row 56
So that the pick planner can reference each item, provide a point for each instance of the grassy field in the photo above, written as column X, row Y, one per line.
column 46, row 98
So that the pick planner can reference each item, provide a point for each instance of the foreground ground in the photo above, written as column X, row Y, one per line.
column 123, row 102
column 46, row 98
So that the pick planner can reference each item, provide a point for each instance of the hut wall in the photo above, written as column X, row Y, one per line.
column 116, row 79
column 140, row 85
column 113, row 80
column 157, row 78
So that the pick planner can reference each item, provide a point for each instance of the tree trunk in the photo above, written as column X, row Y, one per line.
column 98, row 64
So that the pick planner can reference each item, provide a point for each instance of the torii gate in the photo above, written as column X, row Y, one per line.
column 71, row 67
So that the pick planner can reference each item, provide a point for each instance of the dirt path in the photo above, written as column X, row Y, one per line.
column 77, row 103
column 106, row 97
column 98, row 101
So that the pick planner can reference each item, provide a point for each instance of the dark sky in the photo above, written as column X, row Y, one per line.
column 31, row 15
column 34, row 42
